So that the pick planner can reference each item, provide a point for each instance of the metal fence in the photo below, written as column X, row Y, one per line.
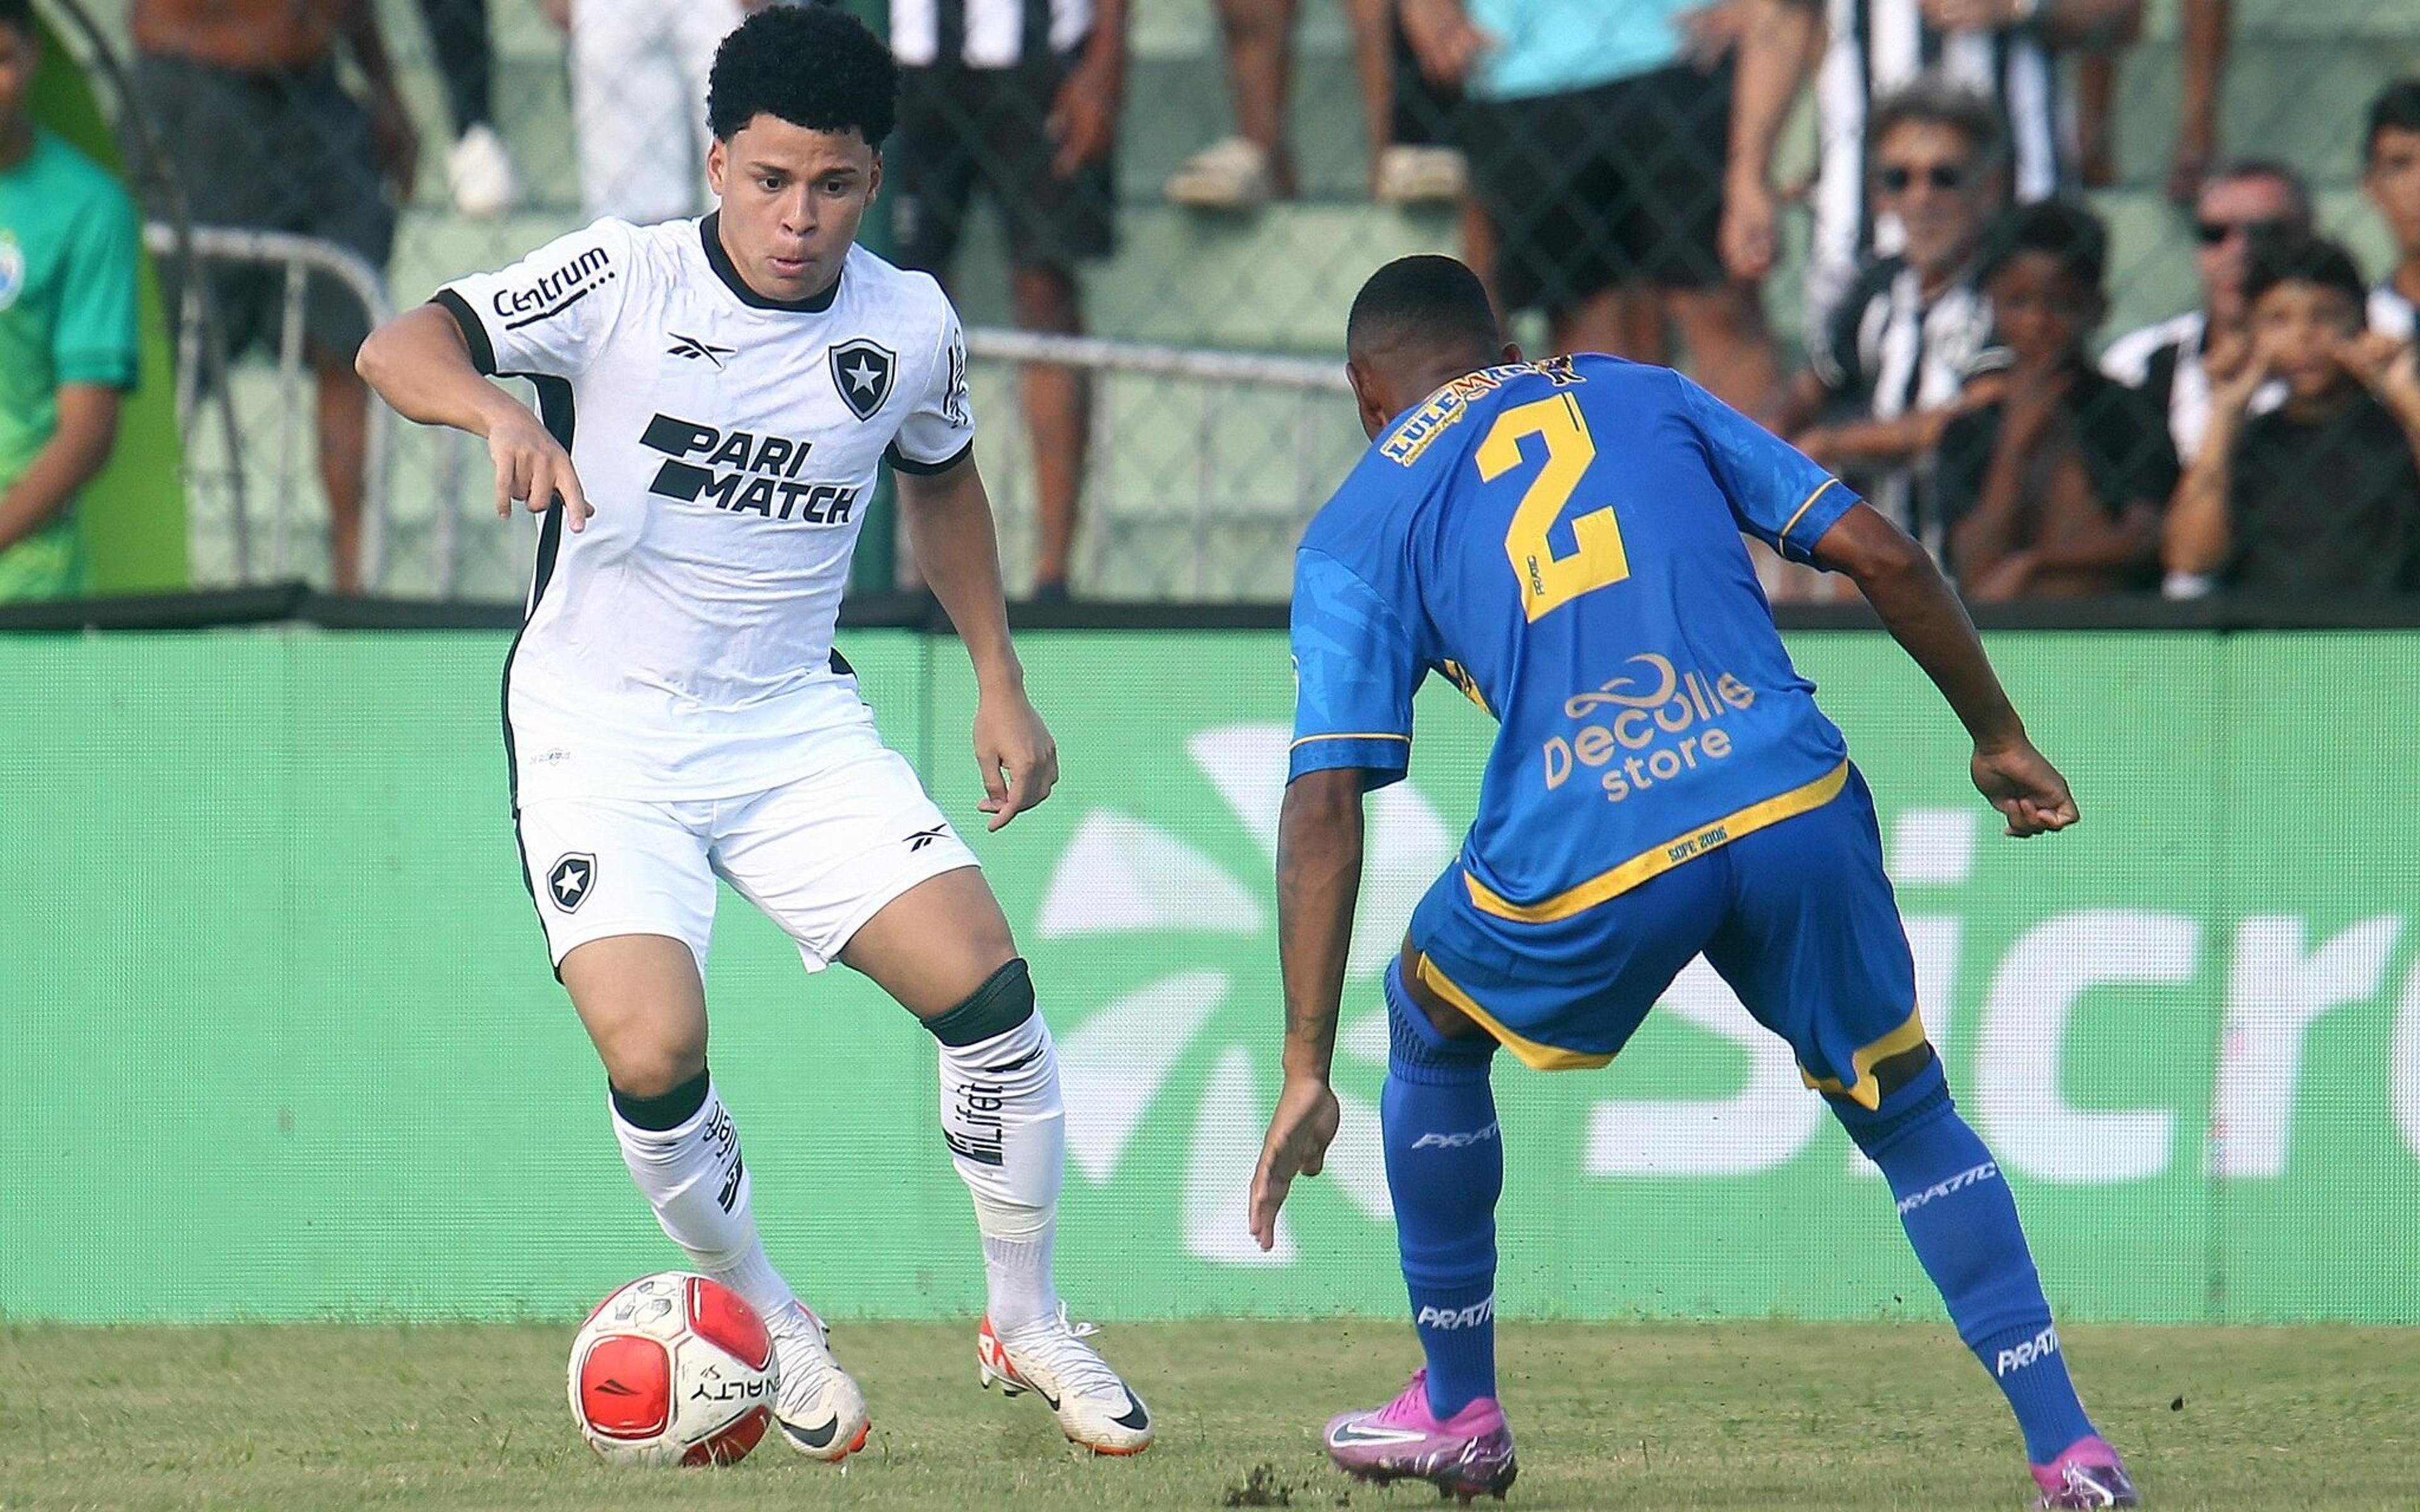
column 254, row 449
column 1216, row 310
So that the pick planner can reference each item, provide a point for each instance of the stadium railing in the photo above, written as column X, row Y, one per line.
column 221, row 487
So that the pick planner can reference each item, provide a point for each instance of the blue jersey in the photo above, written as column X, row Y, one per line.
column 1562, row 540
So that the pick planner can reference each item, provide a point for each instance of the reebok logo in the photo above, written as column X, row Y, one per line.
column 1470, row 1316
column 1985, row 1172
column 2040, row 1347
column 1456, row 1141
column 556, row 292
column 923, row 838
column 743, row 473
column 693, row 350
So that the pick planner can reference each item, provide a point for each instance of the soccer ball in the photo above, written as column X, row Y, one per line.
column 673, row 1369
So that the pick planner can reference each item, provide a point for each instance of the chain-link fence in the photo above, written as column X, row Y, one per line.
column 1734, row 189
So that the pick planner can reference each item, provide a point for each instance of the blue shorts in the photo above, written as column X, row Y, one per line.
column 1797, row 916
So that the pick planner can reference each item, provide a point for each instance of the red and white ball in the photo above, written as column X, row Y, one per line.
column 673, row 1369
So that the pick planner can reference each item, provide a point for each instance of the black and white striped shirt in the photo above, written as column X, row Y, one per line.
column 2164, row 362
column 1893, row 354
column 986, row 34
column 1878, row 46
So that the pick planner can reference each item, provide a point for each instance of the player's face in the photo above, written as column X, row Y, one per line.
column 2224, row 217
column 1927, row 174
column 791, row 202
column 2043, row 311
column 2393, row 181
column 2298, row 327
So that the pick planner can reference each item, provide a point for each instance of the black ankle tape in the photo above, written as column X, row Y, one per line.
column 657, row 1114
column 1004, row 1001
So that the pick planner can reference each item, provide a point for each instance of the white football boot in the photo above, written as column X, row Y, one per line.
column 821, row 1411
column 1051, row 1360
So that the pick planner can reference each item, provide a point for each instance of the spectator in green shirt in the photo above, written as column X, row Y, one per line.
column 68, row 259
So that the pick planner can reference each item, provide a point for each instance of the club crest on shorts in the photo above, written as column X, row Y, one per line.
column 572, row 880
column 863, row 371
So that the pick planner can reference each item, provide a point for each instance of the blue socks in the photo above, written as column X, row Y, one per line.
column 1962, row 1222
column 1445, row 1169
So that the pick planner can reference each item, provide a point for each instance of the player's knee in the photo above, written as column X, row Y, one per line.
column 1913, row 1092
column 1417, row 1048
column 652, row 1065
column 1004, row 1001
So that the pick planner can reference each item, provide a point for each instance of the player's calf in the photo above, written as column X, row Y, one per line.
column 1962, row 1221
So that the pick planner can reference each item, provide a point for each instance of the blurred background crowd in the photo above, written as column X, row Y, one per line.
column 2095, row 297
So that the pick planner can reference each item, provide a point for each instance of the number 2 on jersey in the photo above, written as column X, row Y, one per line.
column 1549, row 582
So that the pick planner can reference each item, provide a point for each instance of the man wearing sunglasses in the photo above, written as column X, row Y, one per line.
column 2176, row 363
column 1888, row 370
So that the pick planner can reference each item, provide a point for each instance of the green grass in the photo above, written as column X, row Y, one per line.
column 1736, row 1415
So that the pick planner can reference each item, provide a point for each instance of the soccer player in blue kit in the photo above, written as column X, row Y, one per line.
column 1562, row 540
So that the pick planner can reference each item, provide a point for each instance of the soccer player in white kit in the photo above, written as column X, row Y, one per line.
column 718, row 396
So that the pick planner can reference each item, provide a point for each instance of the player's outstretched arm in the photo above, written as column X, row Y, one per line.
column 1319, row 878
column 956, row 548
column 1925, row 617
column 419, row 363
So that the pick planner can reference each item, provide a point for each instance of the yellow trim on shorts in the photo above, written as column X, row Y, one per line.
column 1533, row 1055
column 1862, row 1089
column 1783, row 539
column 1630, row 873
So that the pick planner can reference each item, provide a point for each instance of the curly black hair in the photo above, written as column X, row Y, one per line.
column 2063, row 229
column 815, row 66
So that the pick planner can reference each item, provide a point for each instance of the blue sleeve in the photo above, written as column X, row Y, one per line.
column 1356, row 668
column 1775, row 494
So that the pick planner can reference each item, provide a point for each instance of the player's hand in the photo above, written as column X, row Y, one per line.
column 1018, row 759
column 1300, row 1132
column 2026, row 789
column 1748, row 241
column 2384, row 365
column 2032, row 403
column 532, row 465
column 1443, row 38
column 2252, row 370
column 1083, row 120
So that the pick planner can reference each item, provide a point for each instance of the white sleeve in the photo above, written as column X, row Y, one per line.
column 548, row 314
column 2128, row 361
column 940, row 428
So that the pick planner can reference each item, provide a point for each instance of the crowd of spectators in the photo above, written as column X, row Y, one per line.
column 1616, row 165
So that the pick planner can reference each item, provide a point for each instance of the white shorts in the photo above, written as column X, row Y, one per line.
column 818, row 856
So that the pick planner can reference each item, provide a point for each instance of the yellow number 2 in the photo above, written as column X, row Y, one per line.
column 1549, row 582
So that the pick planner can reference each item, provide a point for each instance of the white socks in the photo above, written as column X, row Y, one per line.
column 1007, row 1135
column 693, row 1175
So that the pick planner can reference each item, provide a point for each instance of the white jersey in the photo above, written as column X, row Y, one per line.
column 680, row 646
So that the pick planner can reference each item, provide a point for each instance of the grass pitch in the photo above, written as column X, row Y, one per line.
column 1733, row 1415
